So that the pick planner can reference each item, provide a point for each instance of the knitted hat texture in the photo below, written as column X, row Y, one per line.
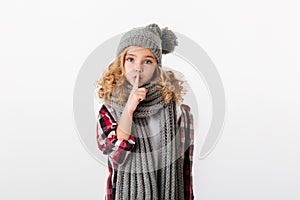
column 159, row 41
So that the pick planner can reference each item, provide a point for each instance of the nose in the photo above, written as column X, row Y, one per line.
column 139, row 68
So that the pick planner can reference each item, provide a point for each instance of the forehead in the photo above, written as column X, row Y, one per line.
column 137, row 50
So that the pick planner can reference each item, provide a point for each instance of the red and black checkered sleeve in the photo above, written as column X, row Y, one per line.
column 117, row 149
column 188, row 127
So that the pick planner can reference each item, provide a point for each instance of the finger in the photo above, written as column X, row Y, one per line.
column 136, row 82
column 142, row 89
column 140, row 97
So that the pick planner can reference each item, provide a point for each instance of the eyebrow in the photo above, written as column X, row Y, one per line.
column 147, row 56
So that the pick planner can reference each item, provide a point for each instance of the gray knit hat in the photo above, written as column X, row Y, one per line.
column 159, row 41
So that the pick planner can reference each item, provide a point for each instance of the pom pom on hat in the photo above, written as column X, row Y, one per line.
column 168, row 40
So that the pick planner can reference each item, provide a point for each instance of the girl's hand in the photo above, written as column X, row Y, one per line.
column 136, row 96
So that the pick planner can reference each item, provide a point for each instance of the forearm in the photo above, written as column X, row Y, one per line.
column 125, row 123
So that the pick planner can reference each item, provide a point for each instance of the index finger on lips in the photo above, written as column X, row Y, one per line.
column 136, row 82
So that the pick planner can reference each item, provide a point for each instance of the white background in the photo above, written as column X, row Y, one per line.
column 254, row 45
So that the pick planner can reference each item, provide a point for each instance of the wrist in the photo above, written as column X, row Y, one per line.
column 128, row 111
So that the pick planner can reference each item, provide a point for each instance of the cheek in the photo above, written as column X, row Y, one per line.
column 151, row 71
column 149, row 74
column 127, row 68
column 128, row 71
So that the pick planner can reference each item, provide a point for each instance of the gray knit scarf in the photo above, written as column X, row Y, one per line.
column 138, row 178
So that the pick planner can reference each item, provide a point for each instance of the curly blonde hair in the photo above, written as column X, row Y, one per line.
column 165, row 80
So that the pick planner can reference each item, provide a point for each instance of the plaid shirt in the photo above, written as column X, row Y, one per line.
column 118, row 149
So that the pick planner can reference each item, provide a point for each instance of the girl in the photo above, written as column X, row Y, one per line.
column 143, row 126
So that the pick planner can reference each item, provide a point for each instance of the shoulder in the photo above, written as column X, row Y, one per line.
column 185, row 113
column 108, row 111
column 105, row 108
column 184, row 108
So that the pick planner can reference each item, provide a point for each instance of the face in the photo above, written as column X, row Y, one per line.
column 139, row 60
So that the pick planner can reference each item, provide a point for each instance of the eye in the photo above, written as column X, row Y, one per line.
column 129, row 59
column 148, row 62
